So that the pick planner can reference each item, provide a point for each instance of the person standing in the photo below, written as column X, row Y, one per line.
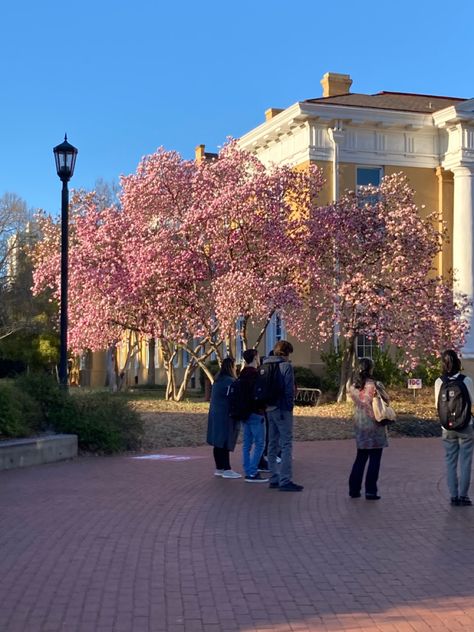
column 254, row 424
column 280, row 421
column 370, row 436
column 222, row 430
column 456, row 424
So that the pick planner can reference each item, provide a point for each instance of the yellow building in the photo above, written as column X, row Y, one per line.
column 357, row 139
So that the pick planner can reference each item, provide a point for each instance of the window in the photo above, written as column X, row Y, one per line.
column 366, row 346
column 85, row 359
column 157, row 353
column 368, row 176
column 176, row 358
column 275, row 331
column 239, row 341
column 185, row 357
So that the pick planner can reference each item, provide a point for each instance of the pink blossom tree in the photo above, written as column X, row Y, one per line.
column 370, row 272
column 252, row 223
column 191, row 249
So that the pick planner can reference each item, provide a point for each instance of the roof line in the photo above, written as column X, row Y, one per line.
column 374, row 107
column 418, row 94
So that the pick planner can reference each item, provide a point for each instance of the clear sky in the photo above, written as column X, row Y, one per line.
column 123, row 78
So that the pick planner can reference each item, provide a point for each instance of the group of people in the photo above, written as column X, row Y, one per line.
column 370, row 435
column 223, row 429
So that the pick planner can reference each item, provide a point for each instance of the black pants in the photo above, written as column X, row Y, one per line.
column 357, row 474
column 221, row 457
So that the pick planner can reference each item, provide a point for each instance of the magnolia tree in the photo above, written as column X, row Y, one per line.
column 370, row 272
column 251, row 222
column 192, row 249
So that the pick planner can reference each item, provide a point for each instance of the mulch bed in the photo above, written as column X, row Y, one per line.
column 180, row 424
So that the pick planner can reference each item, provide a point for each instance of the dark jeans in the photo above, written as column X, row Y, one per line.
column 263, row 464
column 372, row 455
column 221, row 457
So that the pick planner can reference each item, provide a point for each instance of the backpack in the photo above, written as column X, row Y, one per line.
column 454, row 404
column 240, row 401
column 269, row 384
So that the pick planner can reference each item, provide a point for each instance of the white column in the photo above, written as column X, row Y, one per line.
column 463, row 242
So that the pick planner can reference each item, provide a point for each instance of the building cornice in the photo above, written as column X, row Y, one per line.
column 457, row 124
column 366, row 135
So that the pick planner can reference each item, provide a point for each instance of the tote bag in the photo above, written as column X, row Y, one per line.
column 383, row 413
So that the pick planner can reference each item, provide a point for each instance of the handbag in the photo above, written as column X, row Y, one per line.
column 383, row 413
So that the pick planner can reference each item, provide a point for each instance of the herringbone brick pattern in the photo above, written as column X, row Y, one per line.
column 123, row 545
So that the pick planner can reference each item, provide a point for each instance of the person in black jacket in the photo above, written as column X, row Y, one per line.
column 254, row 424
column 222, row 430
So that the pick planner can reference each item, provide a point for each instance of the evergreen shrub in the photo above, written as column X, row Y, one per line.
column 103, row 422
column 19, row 413
column 305, row 378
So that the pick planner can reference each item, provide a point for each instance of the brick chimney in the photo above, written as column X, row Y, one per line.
column 199, row 153
column 271, row 112
column 334, row 83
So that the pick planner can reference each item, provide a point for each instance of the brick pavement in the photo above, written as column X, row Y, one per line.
column 121, row 545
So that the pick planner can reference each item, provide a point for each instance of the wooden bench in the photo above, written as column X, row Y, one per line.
column 309, row 396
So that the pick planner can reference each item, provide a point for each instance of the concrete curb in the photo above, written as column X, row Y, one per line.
column 37, row 450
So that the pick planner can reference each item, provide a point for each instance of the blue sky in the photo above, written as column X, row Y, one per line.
column 124, row 78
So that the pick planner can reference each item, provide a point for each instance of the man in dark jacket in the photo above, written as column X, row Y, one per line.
column 254, row 424
column 280, row 421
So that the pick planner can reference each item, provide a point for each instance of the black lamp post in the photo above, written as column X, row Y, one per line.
column 65, row 156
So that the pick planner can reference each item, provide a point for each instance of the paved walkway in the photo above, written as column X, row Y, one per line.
column 123, row 545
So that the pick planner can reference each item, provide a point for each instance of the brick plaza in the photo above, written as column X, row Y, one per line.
column 124, row 545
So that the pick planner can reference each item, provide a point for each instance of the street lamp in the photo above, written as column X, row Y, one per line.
column 65, row 157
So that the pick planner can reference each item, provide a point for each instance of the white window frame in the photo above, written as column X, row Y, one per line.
column 157, row 353
column 276, row 331
column 239, row 341
column 184, row 358
column 176, row 363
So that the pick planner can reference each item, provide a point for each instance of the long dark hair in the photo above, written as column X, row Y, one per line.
column 450, row 363
column 366, row 369
column 227, row 368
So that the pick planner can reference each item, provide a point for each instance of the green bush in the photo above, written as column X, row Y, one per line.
column 332, row 372
column 44, row 389
column 148, row 387
column 428, row 370
column 19, row 413
column 103, row 422
column 386, row 368
column 305, row 378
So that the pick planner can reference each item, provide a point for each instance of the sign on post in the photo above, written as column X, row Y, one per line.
column 415, row 384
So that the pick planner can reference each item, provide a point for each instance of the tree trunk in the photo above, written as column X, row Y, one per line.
column 184, row 384
column 347, row 369
column 168, row 356
column 151, row 362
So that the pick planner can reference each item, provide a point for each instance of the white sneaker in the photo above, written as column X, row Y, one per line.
column 219, row 472
column 278, row 459
column 231, row 474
